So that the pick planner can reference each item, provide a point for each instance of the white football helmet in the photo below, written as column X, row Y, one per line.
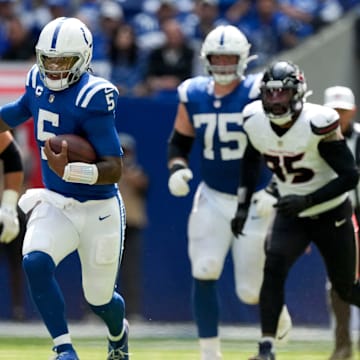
column 226, row 40
column 63, row 52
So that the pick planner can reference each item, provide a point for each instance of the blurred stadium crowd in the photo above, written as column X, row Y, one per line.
column 147, row 47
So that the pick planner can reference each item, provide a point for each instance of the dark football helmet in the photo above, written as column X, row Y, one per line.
column 283, row 90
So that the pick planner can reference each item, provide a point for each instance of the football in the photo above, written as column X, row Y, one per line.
column 79, row 149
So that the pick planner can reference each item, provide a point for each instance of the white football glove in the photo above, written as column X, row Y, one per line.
column 264, row 203
column 9, row 220
column 178, row 182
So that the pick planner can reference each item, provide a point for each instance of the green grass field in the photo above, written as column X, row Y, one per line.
column 158, row 349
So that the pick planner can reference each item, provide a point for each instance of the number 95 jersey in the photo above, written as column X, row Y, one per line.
column 294, row 157
column 218, row 123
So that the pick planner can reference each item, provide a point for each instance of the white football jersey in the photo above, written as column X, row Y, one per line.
column 294, row 157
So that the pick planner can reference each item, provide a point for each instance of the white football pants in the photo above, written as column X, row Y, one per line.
column 210, row 240
column 59, row 225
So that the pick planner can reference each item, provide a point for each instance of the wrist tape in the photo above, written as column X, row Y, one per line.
column 82, row 173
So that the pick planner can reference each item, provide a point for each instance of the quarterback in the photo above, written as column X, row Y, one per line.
column 81, row 200
column 303, row 146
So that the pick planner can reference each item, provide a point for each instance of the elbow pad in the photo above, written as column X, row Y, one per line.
column 179, row 145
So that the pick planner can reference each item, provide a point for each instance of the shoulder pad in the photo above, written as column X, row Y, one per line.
column 190, row 88
column 182, row 90
column 31, row 77
column 253, row 81
column 323, row 120
column 251, row 109
column 97, row 94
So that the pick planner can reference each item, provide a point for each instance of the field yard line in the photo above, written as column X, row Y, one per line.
column 151, row 329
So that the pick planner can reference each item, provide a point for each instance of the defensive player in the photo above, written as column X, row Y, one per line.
column 80, row 207
column 342, row 99
column 303, row 146
column 210, row 113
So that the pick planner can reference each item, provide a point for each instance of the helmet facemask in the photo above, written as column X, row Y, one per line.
column 283, row 92
column 277, row 101
column 63, row 52
column 59, row 72
column 226, row 72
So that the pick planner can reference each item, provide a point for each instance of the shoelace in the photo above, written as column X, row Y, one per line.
column 117, row 354
column 61, row 356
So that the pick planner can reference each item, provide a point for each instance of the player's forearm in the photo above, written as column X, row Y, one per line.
column 109, row 171
column 14, row 181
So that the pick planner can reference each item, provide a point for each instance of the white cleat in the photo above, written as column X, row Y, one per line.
column 284, row 327
column 211, row 355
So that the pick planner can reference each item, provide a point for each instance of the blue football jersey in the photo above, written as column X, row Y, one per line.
column 218, row 123
column 86, row 108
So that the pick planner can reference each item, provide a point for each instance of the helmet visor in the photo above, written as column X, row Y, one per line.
column 57, row 67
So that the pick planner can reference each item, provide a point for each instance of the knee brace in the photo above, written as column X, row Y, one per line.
column 206, row 269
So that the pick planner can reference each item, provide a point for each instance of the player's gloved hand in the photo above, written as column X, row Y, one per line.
column 264, row 203
column 238, row 221
column 292, row 205
column 178, row 180
column 9, row 221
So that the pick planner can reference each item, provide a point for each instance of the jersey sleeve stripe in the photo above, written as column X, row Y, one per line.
column 105, row 85
column 182, row 91
column 324, row 130
column 31, row 77
column 84, row 89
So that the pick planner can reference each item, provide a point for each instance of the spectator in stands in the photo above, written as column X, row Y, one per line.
column 21, row 41
column 308, row 16
column 7, row 10
column 58, row 8
column 133, row 185
column 171, row 63
column 237, row 10
column 342, row 99
column 207, row 18
column 127, row 62
column 111, row 17
column 148, row 24
column 268, row 30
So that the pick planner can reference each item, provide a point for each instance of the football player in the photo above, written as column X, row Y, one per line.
column 13, row 181
column 210, row 113
column 80, row 208
column 303, row 146
column 12, row 220
column 342, row 99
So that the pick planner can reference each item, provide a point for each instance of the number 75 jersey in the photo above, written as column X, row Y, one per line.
column 218, row 124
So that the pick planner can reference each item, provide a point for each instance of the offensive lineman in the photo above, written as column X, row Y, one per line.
column 303, row 146
column 210, row 113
